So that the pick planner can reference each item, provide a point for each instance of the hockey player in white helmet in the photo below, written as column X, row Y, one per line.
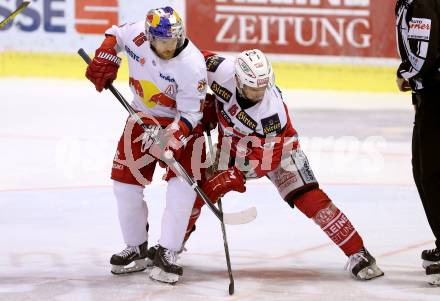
column 255, row 128
column 157, row 52
column 254, row 75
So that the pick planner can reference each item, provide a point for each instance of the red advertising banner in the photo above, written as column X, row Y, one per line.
column 356, row 28
column 95, row 16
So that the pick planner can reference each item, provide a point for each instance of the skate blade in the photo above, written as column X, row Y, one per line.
column 162, row 276
column 427, row 263
column 434, row 280
column 136, row 266
column 370, row 272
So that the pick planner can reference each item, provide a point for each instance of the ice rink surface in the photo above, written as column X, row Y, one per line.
column 58, row 223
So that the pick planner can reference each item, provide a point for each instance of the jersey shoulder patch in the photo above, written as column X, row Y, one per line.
column 221, row 91
column 246, row 120
column 271, row 124
column 419, row 29
column 213, row 62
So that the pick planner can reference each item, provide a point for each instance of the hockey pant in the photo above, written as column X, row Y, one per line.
column 298, row 186
column 132, row 170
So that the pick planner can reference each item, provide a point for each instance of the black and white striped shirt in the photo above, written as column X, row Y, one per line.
column 417, row 28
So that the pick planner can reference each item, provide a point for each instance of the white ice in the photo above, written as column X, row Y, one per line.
column 58, row 223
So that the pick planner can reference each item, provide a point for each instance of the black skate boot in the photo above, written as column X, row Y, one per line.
column 152, row 251
column 433, row 273
column 430, row 257
column 129, row 260
column 165, row 268
column 363, row 266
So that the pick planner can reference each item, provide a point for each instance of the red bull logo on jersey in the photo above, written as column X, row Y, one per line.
column 151, row 94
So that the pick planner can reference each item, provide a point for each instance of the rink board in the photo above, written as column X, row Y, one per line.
column 345, row 77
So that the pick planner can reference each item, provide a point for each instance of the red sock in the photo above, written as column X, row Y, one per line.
column 316, row 205
column 194, row 216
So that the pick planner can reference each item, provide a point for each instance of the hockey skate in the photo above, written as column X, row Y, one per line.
column 433, row 273
column 152, row 251
column 165, row 268
column 363, row 266
column 130, row 260
column 430, row 257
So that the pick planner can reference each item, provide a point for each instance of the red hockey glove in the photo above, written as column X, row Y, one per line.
column 222, row 182
column 103, row 70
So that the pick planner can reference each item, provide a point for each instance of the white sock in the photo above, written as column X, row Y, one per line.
column 180, row 199
column 132, row 212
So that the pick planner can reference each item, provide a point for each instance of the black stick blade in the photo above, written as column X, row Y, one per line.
column 231, row 288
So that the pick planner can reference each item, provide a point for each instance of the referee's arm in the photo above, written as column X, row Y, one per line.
column 420, row 41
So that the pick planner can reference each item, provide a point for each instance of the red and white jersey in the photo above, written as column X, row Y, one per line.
column 163, row 88
column 267, row 122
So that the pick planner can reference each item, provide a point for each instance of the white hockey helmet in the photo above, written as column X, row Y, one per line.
column 253, row 69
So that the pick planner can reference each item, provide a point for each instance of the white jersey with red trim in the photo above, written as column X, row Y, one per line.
column 163, row 88
column 267, row 120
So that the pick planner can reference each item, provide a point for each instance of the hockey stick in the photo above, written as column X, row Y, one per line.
column 14, row 14
column 236, row 218
column 220, row 207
